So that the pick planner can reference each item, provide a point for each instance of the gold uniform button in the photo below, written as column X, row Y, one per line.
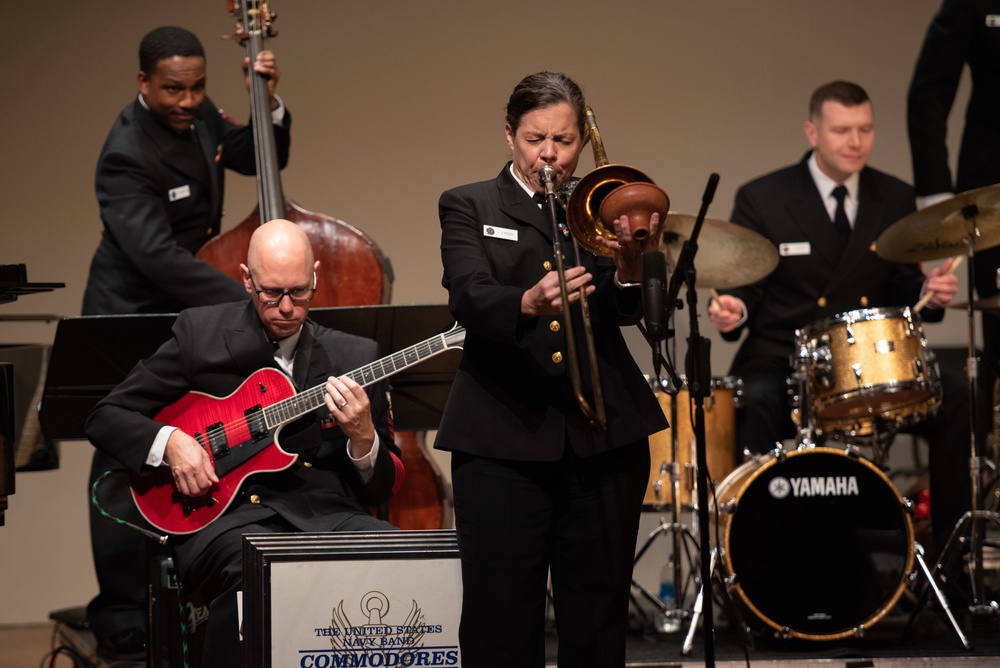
column 254, row 498
column 864, row 301
column 308, row 465
column 821, row 302
column 554, row 326
column 557, row 357
column 209, row 230
column 547, row 266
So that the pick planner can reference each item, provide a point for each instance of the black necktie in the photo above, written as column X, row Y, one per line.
column 539, row 199
column 840, row 222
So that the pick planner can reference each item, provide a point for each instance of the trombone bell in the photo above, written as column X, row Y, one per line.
column 630, row 192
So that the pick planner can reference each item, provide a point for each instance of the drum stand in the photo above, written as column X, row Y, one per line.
column 683, row 538
column 699, row 385
column 970, row 530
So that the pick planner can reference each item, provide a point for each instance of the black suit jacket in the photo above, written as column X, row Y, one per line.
column 160, row 196
column 961, row 33
column 213, row 350
column 787, row 208
column 511, row 399
column 964, row 32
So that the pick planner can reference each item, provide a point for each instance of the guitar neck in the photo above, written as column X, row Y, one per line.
column 295, row 407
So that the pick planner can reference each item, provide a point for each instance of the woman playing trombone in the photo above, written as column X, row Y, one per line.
column 538, row 485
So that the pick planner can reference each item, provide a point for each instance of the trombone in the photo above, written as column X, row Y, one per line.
column 594, row 412
column 608, row 192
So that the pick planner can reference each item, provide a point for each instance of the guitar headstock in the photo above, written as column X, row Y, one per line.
column 252, row 17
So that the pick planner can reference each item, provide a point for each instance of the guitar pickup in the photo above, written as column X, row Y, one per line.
column 218, row 444
column 256, row 423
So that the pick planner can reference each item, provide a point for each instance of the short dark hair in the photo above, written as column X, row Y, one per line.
column 847, row 93
column 167, row 42
column 544, row 89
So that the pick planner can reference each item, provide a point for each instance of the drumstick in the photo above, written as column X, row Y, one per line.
column 713, row 293
column 930, row 293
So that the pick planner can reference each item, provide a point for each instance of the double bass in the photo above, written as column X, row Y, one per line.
column 357, row 273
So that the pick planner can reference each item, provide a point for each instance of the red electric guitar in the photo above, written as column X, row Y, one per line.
column 240, row 433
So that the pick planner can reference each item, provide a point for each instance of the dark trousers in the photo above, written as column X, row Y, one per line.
column 516, row 522
column 217, row 575
column 766, row 417
column 118, row 614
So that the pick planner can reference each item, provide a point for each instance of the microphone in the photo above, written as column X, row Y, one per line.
column 654, row 283
column 547, row 175
column 713, row 182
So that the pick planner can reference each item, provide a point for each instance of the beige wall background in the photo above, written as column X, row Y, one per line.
column 394, row 102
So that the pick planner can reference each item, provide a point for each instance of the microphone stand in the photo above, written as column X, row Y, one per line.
column 698, row 370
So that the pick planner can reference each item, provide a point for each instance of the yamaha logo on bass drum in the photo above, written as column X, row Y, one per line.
column 840, row 485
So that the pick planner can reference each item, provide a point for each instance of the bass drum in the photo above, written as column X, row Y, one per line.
column 818, row 542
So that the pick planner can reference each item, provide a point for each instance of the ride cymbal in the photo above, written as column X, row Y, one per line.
column 729, row 256
column 941, row 230
column 985, row 304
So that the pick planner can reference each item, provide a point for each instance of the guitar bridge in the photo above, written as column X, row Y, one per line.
column 190, row 504
column 218, row 444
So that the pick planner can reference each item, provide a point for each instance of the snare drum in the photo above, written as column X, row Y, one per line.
column 720, row 441
column 866, row 364
column 819, row 542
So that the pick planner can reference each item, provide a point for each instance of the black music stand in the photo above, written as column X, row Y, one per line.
column 92, row 354
column 14, row 283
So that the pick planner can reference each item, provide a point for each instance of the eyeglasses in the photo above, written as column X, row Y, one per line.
column 273, row 296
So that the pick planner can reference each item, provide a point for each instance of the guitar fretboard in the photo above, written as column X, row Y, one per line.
column 311, row 399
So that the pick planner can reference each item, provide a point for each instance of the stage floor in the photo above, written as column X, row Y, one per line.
column 931, row 642
column 882, row 647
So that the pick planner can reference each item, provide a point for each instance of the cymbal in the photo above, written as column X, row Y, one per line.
column 985, row 304
column 729, row 256
column 940, row 230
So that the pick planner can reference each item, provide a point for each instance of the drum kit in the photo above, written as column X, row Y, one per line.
column 815, row 542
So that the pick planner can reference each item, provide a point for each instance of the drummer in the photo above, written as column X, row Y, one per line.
column 824, row 215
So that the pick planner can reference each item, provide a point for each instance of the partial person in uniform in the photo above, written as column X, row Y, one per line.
column 347, row 460
column 159, row 184
column 824, row 215
column 963, row 33
column 537, row 489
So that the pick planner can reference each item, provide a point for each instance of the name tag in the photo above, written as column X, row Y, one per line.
column 797, row 248
column 993, row 20
column 180, row 192
column 499, row 233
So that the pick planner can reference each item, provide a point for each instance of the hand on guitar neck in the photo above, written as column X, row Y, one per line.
column 348, row 403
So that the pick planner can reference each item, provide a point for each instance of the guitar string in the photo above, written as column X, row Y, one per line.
column 292, row 407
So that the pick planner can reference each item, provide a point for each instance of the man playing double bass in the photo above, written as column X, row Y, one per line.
column 160, row 186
